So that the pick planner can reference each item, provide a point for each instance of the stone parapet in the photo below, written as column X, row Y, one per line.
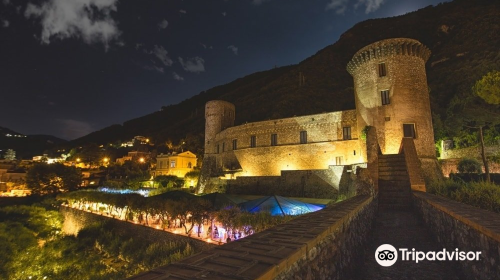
column 467, row 228
column 322, row 245
column 413, row 165
column 388, row 47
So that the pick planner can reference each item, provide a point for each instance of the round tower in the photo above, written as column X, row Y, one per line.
column 219, row 115
column 391, row 93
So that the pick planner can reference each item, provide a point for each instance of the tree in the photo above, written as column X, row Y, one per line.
column 488, row 88
column 10, row 154
column 43, row 178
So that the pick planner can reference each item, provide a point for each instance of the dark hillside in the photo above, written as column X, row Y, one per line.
column 462, row 35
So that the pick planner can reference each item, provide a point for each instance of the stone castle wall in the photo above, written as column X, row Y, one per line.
column 325, row 183
column 219, row 115
column 325, row 145
column 406, row 82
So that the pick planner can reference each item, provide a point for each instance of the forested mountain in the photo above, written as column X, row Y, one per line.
column 462, row 35
column 26, row 146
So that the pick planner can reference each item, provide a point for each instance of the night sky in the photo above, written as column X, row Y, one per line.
column 70, row 67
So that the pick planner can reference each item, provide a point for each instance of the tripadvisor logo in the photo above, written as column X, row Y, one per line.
column 387, row 255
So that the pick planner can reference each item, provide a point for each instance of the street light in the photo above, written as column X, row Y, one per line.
column 141, row 160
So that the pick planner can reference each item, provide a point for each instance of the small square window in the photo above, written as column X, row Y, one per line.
column 382, row 70
column 303, row 137
column 274, row 139
column 172, row 164
column 339, row 160
column 253, row 141
column 346, row 132
column 409, row 130
column 385, row 97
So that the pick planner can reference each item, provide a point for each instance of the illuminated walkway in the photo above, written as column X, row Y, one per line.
column 402, row 229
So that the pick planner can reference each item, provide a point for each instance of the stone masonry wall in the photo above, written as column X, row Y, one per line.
column 75, row 220
column 470, row 152
column 467, row 228
column 406, row 83
column 450, row 166
column 324, row 146
column 301, row 183
column 326, row 244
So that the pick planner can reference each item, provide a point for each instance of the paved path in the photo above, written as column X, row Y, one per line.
column 404, row 230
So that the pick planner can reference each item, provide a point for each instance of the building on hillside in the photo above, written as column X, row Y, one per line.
column 175, row 164
column 316, row 153
column 135, row 156
column 12, row 181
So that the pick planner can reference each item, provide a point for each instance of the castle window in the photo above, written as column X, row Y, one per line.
column 253, row 141
column 235, row 144
column 161, row 164
column 409, row 130
column 274, row 139
column 382, row 71
column 223, row 147
column 346, row 132
column 218, row 148
column 189, row 165
column 339, row 160
column 172, row 164
column 303, row 137
column 385, row 97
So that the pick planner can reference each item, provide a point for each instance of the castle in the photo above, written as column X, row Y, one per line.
column 315, row 153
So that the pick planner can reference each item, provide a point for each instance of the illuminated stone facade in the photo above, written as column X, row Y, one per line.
column 391, row 94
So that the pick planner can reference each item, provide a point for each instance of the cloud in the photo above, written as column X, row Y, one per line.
column 339, row 6
column 177, row 77
column 154, row 68
column 234, row 49
column 163, row 24
column 89, row 20
column 194, row 64
column 182, row 11
column 162, row 55
column 72, row 129
column 370, row 5
column 138, row 45
column 224, row 14
column 5, row 23
column 6, row 2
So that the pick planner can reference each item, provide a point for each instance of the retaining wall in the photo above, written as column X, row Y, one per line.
column 467, row 228
column 75, row 220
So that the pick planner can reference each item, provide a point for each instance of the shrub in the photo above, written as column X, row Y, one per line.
column 469, row 165
column 479, row 194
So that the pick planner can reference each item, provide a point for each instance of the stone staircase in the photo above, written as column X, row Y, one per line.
column 394, row 183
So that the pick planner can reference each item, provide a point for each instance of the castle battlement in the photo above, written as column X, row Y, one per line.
column 388, row 47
